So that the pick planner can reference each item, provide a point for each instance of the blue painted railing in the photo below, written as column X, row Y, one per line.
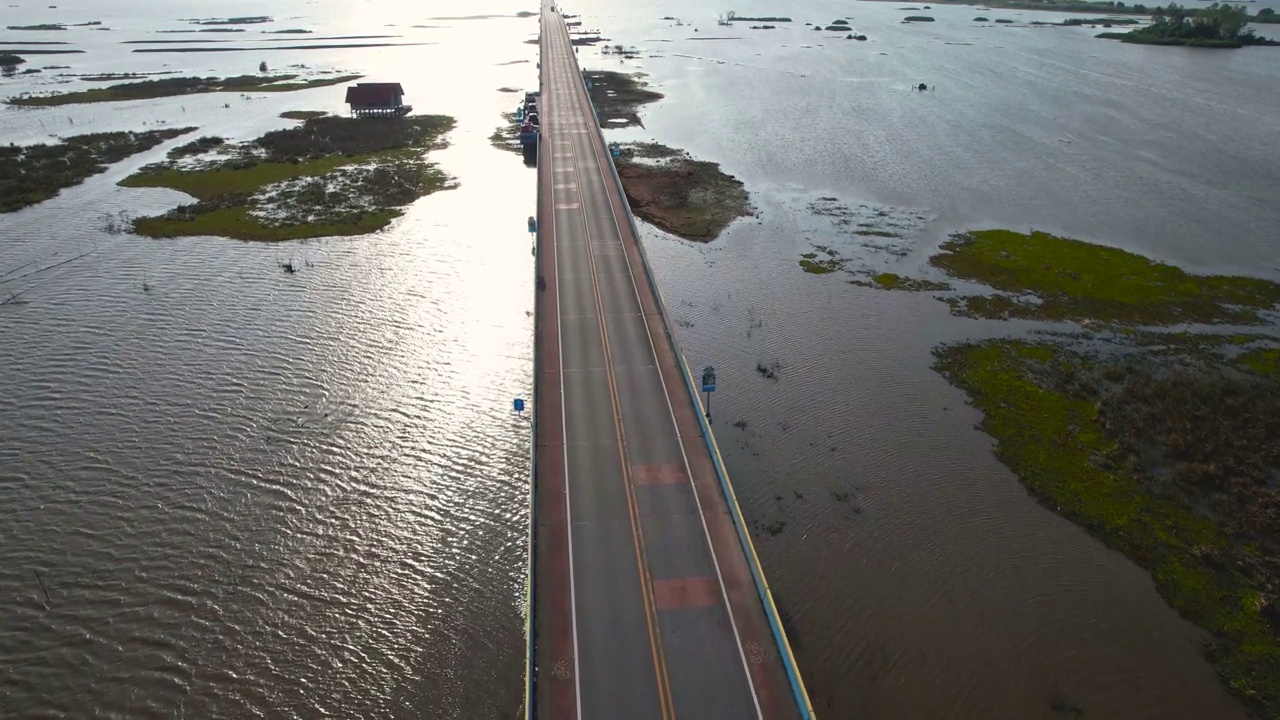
column 753, row 561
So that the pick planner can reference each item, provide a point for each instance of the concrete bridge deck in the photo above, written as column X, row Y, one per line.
column 648, row 604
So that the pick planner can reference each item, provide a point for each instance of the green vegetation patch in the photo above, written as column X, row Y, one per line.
column 34, row 173
column 9, row 60
column 330, row 176
column 1108, row 22
column 812, row 264
column 1262, row 361
column 917, row 18
column 302, row 114
column 669, row 189
column 1054, row 278
column 43, row 26
column 617, row 98
column 1169, row 459
column 893, row 281
column 1218, row 26
column 170, row 87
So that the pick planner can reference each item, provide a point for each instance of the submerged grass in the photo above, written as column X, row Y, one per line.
column 171, row 87
column 893, row 281
column 820, row 267
column 330, row 176
column 34, row 173
column 507, row 135
column 1263, row 361
column 1054, row 278
column 302, row 114
column 617, row 98
column 1169, row 463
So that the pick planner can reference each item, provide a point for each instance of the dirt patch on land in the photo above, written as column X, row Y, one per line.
column 683, row 196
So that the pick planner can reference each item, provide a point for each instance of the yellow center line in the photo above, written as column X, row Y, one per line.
column 646, row 582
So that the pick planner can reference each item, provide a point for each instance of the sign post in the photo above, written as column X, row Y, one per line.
column 708, row 386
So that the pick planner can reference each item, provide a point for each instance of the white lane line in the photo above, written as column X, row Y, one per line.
column 568, row 514
column 676, row 429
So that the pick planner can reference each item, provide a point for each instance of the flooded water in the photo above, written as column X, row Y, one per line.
column 250, row 493
column 258, row 494
column 919, row 577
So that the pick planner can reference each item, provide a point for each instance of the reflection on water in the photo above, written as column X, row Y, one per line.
column 251, row 493
column 254, row 493
column 920, row 579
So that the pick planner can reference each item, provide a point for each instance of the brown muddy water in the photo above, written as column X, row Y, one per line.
column 251, row 493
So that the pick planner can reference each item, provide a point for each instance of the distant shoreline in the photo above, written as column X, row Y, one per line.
column 1074, row 6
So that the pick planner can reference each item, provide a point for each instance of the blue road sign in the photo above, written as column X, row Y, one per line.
column 708, row 379
column 519, row 404
column 533, row 224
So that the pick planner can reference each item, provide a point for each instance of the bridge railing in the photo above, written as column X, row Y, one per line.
column 744, row 537
column 531, row 640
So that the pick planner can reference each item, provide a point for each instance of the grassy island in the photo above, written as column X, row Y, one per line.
column 732, row 16
column 330, row 176
column 1217, row 26
column 1043, row 277
column 171, row 87
column 676, row 193
column 1167, row 455
column 34, row 173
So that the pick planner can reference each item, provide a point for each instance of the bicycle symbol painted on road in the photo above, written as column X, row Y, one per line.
column 561, row 669
column 755, row 653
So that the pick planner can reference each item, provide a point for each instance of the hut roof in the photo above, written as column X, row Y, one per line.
column 374, row 93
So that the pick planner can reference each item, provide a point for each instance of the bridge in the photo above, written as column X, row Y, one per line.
column 647, row 600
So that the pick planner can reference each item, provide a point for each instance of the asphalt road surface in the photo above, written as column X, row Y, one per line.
column 646, row 609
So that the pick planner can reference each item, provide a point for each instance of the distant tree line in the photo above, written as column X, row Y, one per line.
column 1217, row 25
